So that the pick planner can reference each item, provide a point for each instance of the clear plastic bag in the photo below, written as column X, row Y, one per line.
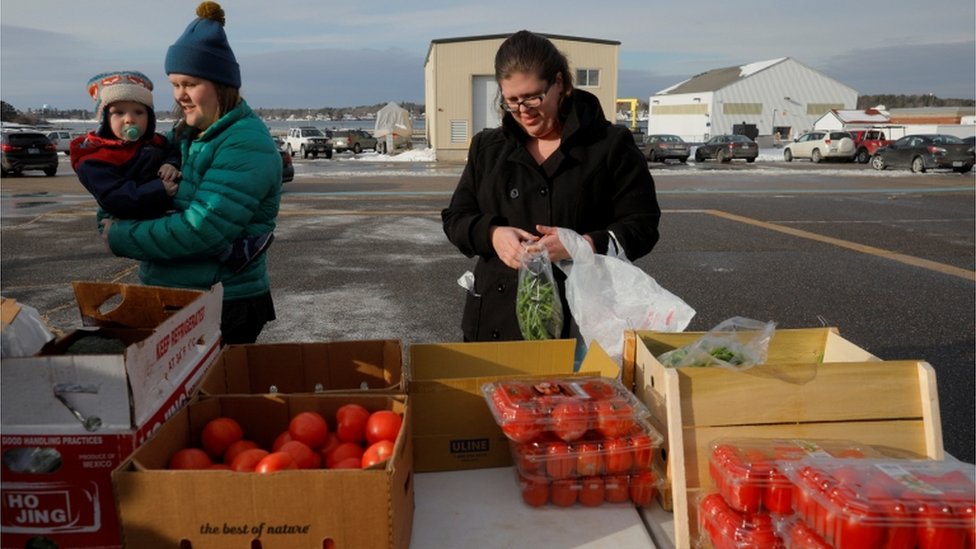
column 608, row 296
column 736, row 343
column 538, row 306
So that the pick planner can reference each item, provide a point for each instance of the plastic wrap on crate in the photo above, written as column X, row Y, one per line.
column 566, row 407
column 722, row 527
column 881, row 502
column 746, row 473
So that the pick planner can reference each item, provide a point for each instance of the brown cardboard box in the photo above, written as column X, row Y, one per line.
column 69, row 419
column 814, row 385
column 368, row 366
column 312, row 508
column 453, row 426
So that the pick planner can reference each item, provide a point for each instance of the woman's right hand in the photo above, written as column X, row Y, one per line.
column 509, row 244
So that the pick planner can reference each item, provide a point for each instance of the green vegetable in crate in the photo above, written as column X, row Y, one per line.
column 538, row 307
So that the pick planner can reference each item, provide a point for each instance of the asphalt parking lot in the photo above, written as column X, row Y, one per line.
column 886, row 257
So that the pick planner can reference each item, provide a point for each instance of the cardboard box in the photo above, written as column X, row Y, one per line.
column 311, row 508
column 69, row 419
column 815, row 385
column 367, row 366
column 453, row 426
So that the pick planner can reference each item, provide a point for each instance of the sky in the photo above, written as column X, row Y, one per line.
column 329, row 54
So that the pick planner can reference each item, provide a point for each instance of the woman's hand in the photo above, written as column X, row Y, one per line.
column 550, row 241
column 509, row 244
column 106, row 226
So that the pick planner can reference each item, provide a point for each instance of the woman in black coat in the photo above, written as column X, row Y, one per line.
column 555, row 162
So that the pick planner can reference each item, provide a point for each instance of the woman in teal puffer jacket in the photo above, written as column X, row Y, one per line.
column 230, row 186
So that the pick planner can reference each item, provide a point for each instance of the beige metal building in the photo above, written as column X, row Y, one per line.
column 461, row 96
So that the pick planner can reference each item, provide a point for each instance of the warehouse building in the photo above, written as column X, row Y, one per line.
column 780, row 97
column 461, row 96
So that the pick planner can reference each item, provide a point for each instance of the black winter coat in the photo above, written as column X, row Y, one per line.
column 596, row 182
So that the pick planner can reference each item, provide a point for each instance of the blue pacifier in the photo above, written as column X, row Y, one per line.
column 131, row 133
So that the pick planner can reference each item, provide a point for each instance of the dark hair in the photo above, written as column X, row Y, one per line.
column 531, row 53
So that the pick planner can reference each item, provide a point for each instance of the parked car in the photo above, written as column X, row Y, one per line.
column 287, row 166
column 664, row 147
column 353, row 140
column 25, row 150
column 725, row 148
column 819, row 145
column 308, row 140
column 866, row 142
column 926, row 152
column 61, row 139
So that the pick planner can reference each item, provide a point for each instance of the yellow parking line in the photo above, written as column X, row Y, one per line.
column 871, row 250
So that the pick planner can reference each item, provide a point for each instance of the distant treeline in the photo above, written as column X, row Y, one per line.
column 336, row 113
column 910, row 101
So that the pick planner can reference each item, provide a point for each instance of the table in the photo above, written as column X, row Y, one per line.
column 483, row 508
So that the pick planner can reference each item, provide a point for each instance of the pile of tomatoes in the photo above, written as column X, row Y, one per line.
column 577, row 440
column 360, row 439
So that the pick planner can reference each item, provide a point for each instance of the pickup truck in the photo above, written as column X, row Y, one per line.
column 866, row 142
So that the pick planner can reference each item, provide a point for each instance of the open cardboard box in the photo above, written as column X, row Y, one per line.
column 283, row 510
column 69, row 419
column 453, row 426
column 374, row 366
column 814, row 385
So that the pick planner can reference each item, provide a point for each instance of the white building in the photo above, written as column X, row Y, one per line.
column 780, row 96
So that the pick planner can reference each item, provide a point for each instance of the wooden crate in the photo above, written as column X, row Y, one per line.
column 815, row 384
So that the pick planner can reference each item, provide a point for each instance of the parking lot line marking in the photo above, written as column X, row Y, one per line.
column 862, row 248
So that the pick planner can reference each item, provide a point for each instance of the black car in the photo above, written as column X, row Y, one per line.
column 925, row 152
column 287, row 166
column 26, row 150
column 663, row 147
column 725, row 148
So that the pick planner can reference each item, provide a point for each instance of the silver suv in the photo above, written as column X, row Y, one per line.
column 821, row 144
column 307, row 140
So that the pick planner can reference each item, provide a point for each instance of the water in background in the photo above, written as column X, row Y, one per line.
column 277, row 127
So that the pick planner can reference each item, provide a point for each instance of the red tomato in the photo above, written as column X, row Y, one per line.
column 617, row 488
column 190, row 458
column 383, row 425
column 218, row 434
column 619, row 456
column 937, row 528
column 642, row 486
column 534, row 492
column 237, row 448
column 564, row 492
column 351, row 423
column 744, row 485
column 778, row 495
column 522, row 425
column 643, row 448
column 280, row 440
column 331, row 441
column 348, row 463
column 377, row 453
column 305, row 457
column 614, row 417
column 246, row 461
column 343, row 451
column 570, row 420
column 589, row 459
column 560, row 461
column 598, row 389
column 277, row 461
column 531, row 459
column 592, row 491
column 901, row 531
column 310, row 428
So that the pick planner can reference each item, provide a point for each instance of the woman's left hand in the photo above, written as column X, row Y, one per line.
column 106, row 226
column 550, row 241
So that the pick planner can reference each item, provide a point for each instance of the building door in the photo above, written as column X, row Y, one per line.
column 485, row 104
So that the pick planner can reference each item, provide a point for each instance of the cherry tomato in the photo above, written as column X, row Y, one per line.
column 598, row 389
column 564, row 492
column 310, row 428
column 570, row 420
column 592, row 491
column 617, row 488
column 246, row 461
column 276, row 461
column 305, row 457
column 351, row 423
column 614, row 417
column 343, row 451
column 589, row 459
column 619, row 456
column 218, row 434
column 642, row 487
column 560, row 461
column 190, row 458
column 377, row 453
column 643, row 449
column 383, row 425
column 534, row 492
column 237, row 448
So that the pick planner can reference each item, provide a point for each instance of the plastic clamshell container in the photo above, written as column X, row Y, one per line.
column 745, row 470
column 638, row 489
column 853, row 503
column 722, row 527
column 567, row 407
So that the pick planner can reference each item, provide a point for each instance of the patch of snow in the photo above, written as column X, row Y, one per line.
column 753, row 68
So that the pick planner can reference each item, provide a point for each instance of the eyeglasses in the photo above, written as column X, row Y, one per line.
column 529, row 102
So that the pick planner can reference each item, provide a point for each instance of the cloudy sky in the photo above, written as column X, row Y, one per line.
column 331, row 54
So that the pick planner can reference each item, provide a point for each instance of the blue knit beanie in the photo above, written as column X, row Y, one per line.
column 203, row 50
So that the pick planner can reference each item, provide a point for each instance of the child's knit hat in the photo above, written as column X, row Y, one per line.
column 109, row 87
